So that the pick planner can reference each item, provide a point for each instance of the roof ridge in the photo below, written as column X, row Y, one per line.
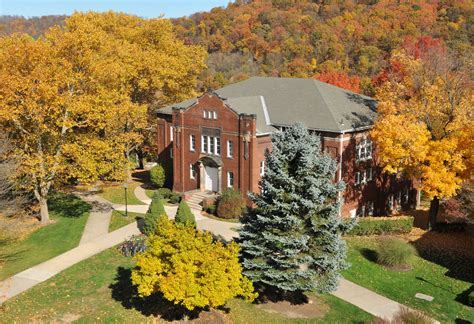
column 325, row 102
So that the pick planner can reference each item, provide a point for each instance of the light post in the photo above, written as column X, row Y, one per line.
column 125, row 187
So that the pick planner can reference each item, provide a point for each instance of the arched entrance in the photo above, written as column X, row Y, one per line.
column 210, row 173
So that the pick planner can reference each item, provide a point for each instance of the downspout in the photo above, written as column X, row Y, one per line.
column 340, row 171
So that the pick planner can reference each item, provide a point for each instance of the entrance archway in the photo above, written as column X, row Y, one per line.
column 210, row 174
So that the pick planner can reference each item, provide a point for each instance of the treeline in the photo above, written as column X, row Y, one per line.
column 34, row 26
column 347, row 43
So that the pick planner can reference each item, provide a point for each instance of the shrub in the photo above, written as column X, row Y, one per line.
column 154, row 213
column 230, row 204
column 207, row 202
column 184, row 215
column 175, row 197
column 470, row 299
column 209, row 271
column 165, row 192
column 393, row 252
column 408, row 316
column 157, row 176
column 211, row 209
column 382, row 225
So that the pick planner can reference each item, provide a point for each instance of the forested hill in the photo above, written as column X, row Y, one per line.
column 335, row 39
column 33, row 26
column 347, row 43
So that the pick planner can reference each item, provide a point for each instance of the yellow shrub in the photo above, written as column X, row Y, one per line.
column 190, row 268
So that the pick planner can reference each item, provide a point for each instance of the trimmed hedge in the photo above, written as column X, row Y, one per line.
column 230, row 204
column 184, row 215
column 175, row 197
column 382, row 225
column 165, row 192
column 157, row 176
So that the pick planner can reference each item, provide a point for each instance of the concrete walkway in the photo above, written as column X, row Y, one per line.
column 99, row 218
column 140, row 193
column 361, row 297
column 43, row 271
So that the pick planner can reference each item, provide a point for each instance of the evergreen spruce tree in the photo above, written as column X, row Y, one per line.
column 291, row 241
column 155, row 211
column 184, row 215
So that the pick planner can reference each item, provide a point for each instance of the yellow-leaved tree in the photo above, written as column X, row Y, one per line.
column 425, row 123
column 74, row 102
column 190, row 268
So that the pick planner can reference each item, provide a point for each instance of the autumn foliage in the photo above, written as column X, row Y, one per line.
column 190, row 268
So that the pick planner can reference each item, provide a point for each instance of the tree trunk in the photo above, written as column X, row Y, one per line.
column 418, row 199
column 141, row 159
column 433, row 213
column 44, row 212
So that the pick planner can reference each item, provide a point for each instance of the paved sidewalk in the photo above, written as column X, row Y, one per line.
column 43, row 271
column 361, row 297
column 99, row 218
column 140, row 193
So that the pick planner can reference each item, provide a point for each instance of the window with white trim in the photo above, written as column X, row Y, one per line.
column 370, row 208
column 192, row 142
column 363, row 176
column 230, row 179
column 214, row 114
column 364, row 150
column 211, row 145
column 171, row 133
column 262, row 168
column 192, row 171
column 230, row 149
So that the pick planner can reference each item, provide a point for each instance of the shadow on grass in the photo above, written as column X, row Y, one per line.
column 369, row 254
column 463, row 297
column 67, row 205
column 156, row 305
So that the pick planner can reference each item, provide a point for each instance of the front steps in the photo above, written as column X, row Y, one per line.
column 195, row 198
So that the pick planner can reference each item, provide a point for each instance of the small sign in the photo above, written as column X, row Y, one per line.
column 424, row 297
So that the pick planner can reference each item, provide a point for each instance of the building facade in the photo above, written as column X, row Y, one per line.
column 218, row 140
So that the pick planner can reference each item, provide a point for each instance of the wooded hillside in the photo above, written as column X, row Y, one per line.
column 347, row 43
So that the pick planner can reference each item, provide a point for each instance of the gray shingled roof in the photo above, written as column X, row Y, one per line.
column 318, row 105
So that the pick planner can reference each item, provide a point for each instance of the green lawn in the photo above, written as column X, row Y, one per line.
column 99, row 290
column 69, row 215
column 116, row 194
column 119, row 219
column 426, row 277
column 150, row 192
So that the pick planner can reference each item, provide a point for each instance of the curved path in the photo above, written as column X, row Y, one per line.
column 361, row 297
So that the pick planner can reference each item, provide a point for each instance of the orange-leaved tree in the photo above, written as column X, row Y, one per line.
column 425, row 123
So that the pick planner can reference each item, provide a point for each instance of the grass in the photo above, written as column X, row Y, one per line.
column 119, row 220
column 426, row 277
column 98, row 290
column 68, row 215
column 228, row 220
column 150, row 192
column 116, row 194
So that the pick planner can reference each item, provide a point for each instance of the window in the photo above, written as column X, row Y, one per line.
column 390, row 202
column 230, row 149
column 192, row 143
column 364, row 150
column 360, row 211
column 204, row 113
column 211, row 145
column 192, row 171
column 363, row 176
column 406, row 195
column 171, row 152
column 230, row 179
column 370, row 208
column 214, row 114
column 171, row 133
column 218, row 145
column 398, row 199
column 262, row 168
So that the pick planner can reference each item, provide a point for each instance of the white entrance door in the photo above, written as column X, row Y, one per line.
column 211, row 178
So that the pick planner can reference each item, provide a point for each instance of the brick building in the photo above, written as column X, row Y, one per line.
column 218, row 140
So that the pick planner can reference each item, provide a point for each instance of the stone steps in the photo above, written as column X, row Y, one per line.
column 195, row 199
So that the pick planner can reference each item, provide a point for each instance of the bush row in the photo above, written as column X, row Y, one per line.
column 382, row 225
